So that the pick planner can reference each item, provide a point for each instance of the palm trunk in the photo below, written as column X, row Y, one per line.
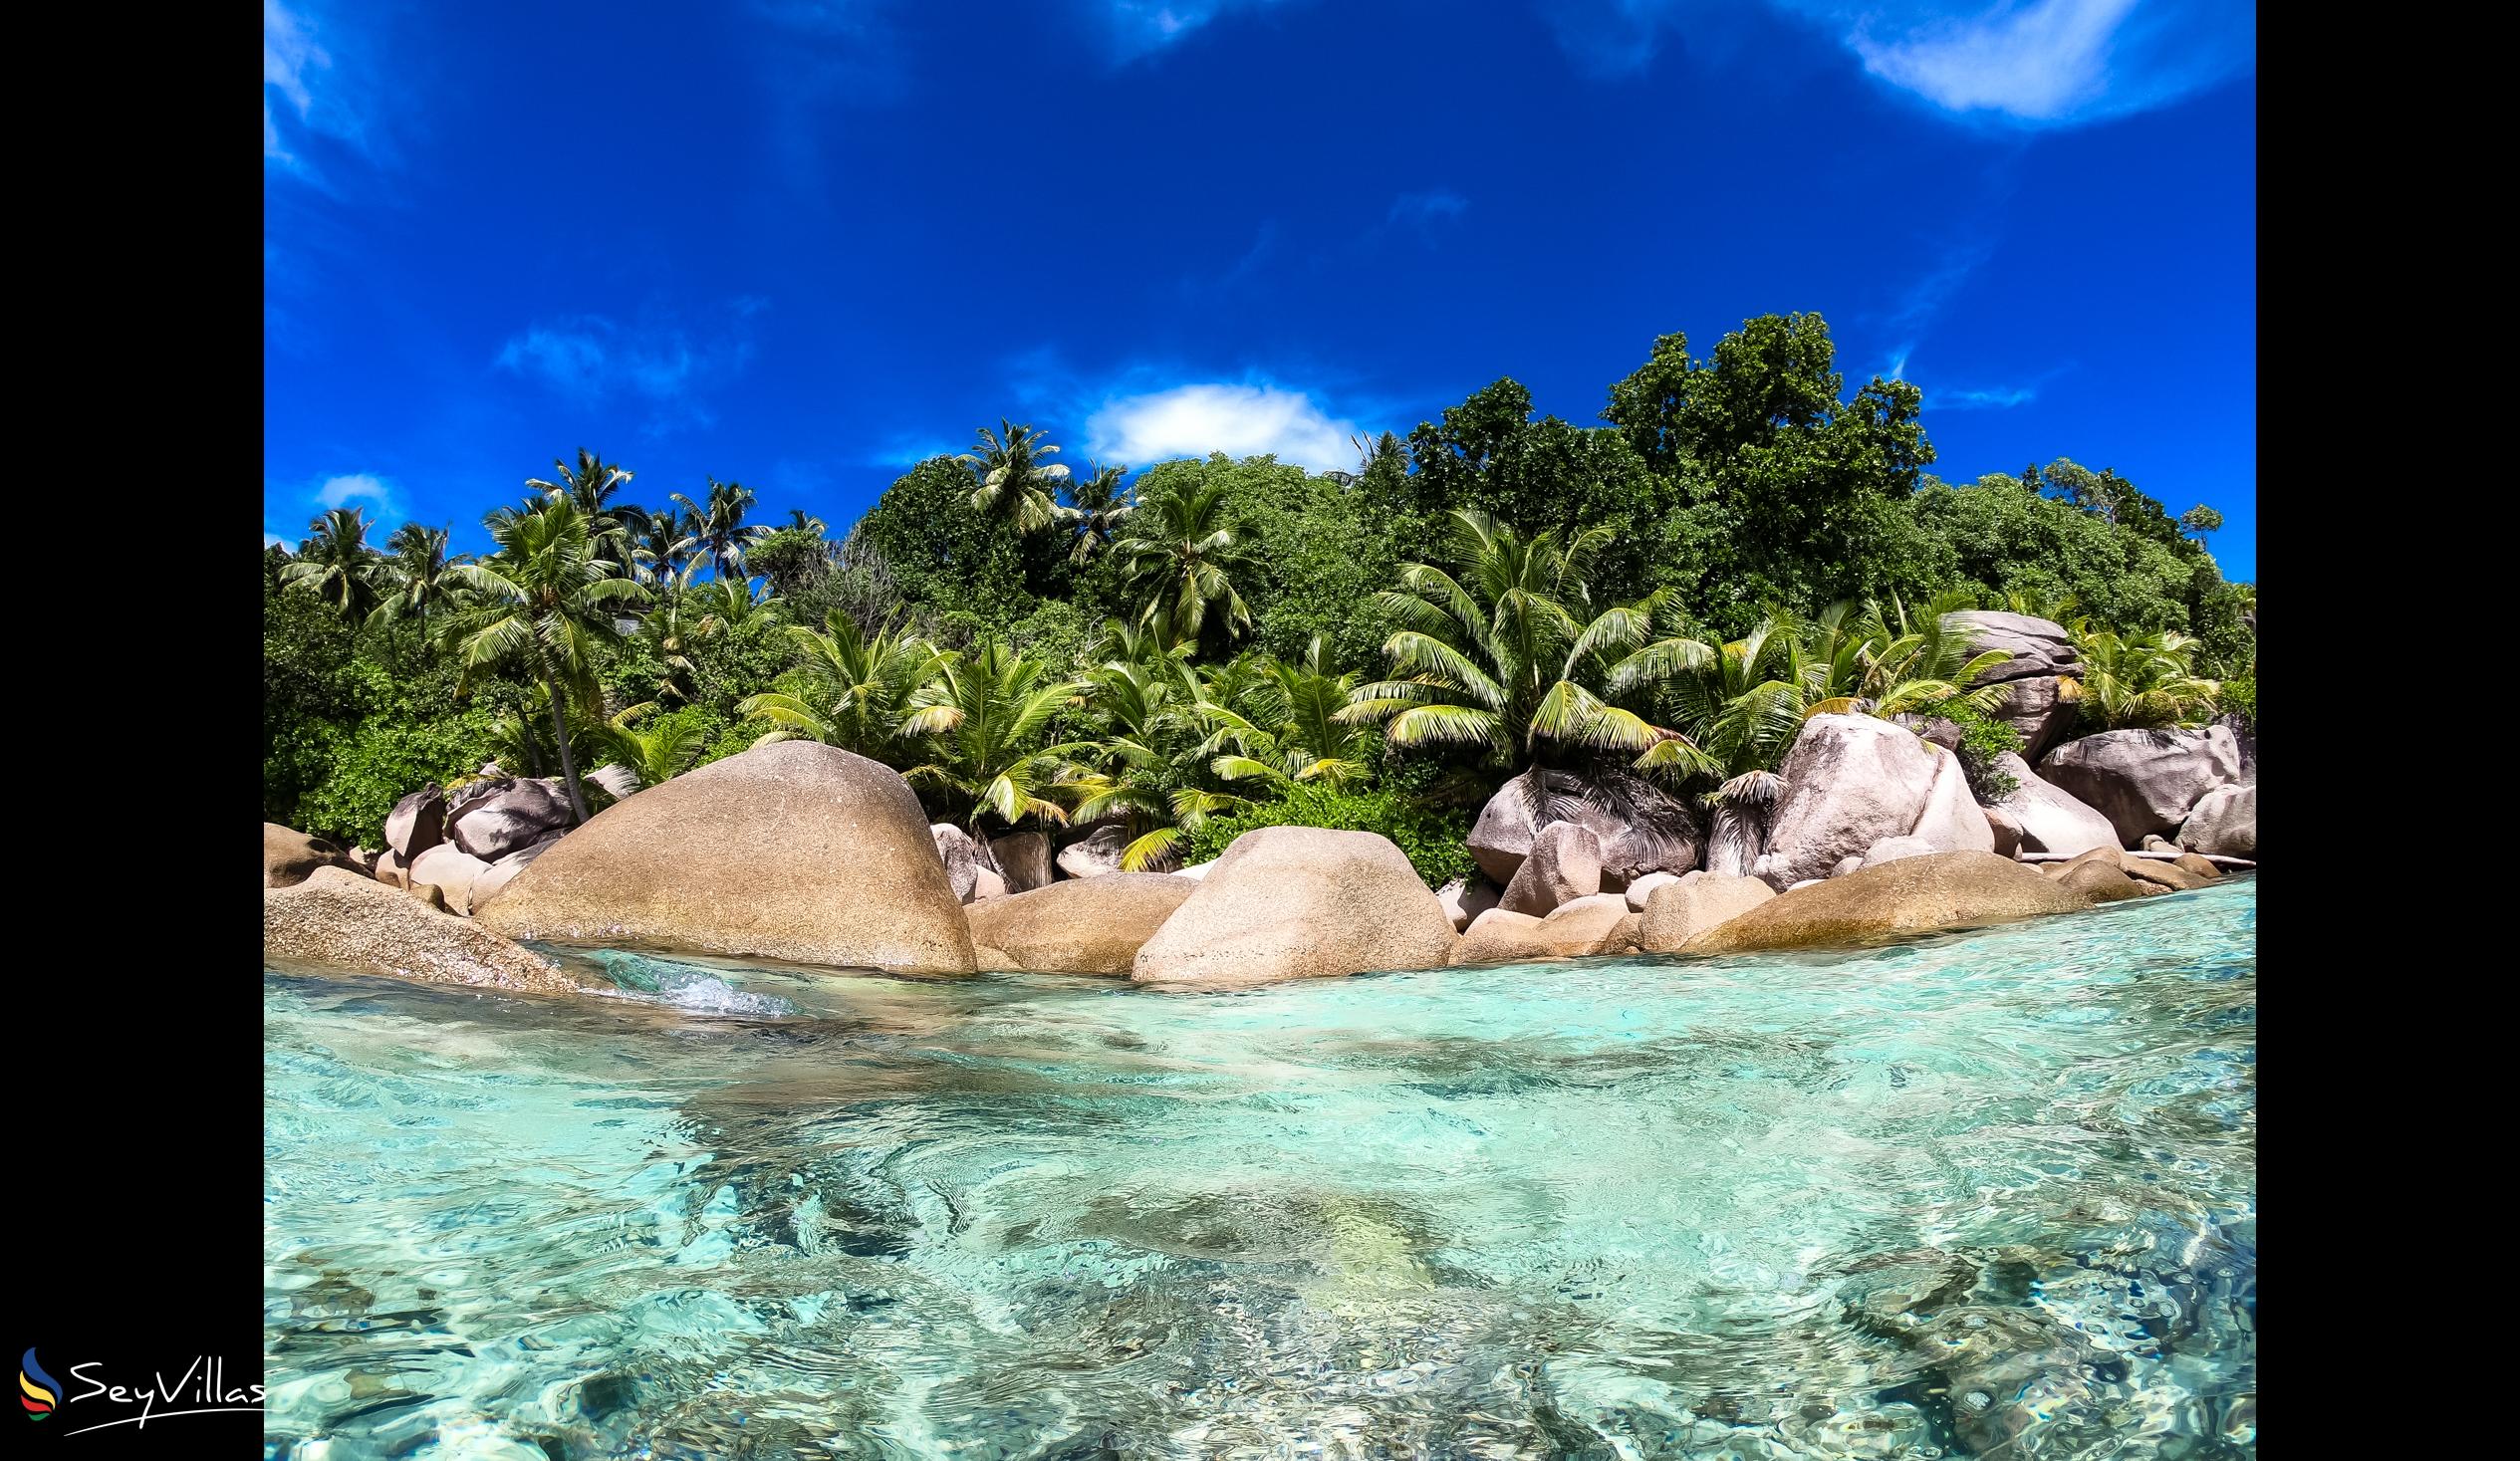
column 568, row 767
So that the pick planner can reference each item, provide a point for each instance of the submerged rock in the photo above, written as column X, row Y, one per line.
column 339, row 920
column 1088, row 925
column 1297, row 902
column 793, row 850
column 1927, row 895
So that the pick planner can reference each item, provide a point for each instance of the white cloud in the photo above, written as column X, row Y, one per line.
column 591, row 358
column 341, row 491
column 1139, row 27
column 1239, row 420
column 322, row 81
column 2035, row 63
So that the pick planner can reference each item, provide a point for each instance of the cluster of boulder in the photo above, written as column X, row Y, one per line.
column 806, row 853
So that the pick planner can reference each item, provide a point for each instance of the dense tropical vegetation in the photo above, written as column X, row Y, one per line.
column 1219, row 644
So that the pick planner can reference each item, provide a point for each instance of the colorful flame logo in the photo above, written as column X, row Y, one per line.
column 41, row 1391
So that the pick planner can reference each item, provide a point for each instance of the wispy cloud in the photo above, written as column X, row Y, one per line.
column 322, row 84
column 1998, row 399
column 2024, row 63
column 590, row 358
column 1137, row 27
column 1238, row 419
column 1436, row 206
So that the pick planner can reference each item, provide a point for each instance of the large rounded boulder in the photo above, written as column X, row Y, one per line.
column 290, row 856
column 339, row 921
column 793, row 850
column 491, row 823
column 2045, row 819
column 1850, row 782
column 2223, row 823
column 1912, row 896
column 1679, row 911
column 2145, row 781
column 417, row 824
column 1081, row 925
column 1298, row 902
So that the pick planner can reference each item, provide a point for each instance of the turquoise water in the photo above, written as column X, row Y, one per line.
column 1986, row 1195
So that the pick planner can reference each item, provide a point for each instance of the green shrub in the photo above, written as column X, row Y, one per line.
column 2239, row 697
column 1435, row 841
column 1983, row 738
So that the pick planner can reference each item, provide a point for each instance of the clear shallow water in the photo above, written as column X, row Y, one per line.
column 1986, row 1195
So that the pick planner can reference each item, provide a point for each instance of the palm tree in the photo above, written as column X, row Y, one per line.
column 1145, row 710
column 1012, row 482
column 417, row 572
column 853, row 692
column 1096, row 507
column 718, row 529
column 666, row 631
column 2142, row 679
column 1182, row 555
column 985, row 708
column 657, row 754
column 337, row 562
column 1509, row 661
column 660, row 543
column 730, row 604
column 546, row 601
column 1293, row 732
column 1915, row 663
column 592, row 484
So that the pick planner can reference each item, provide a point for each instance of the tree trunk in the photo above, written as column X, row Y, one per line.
column 568, row 767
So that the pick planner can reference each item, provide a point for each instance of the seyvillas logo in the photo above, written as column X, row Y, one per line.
column 202, row 1389
column 39, row 1393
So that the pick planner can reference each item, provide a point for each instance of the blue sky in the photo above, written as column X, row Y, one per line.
column 801, row 245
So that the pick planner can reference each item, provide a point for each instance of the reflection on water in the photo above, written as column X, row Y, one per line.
column 1989, row 1195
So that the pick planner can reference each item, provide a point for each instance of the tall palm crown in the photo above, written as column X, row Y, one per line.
column 593, row 484
column 1097, row 504
column 660, row 544
column 986, row 709
column 1288, row 727
column 545, row 602
column 417, row 573
column 717, row 529
column 1509, row 656
column 337, row 564
column 1180, row 553
column 853, row 690
column 1012, row 480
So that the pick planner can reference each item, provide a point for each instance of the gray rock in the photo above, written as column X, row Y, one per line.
column 1680, row 911
column 290, row 856
column 2006, row 827
column 1641, row 891
column 1023, row 859
column 2144, row 780
column 417, row 823
column 2224, row 822
column 961, row 857
column 1850, row 781
column 1641, row 829
column 1891, row 849
column 2040, row 658
column 1095, row 855
column 1297, row 902
column 1464, row 899
column 1950, row 820
column 2048, row 819
column 1565, row 864
column 515, row 816
column 452, row 871
column 498, row 874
